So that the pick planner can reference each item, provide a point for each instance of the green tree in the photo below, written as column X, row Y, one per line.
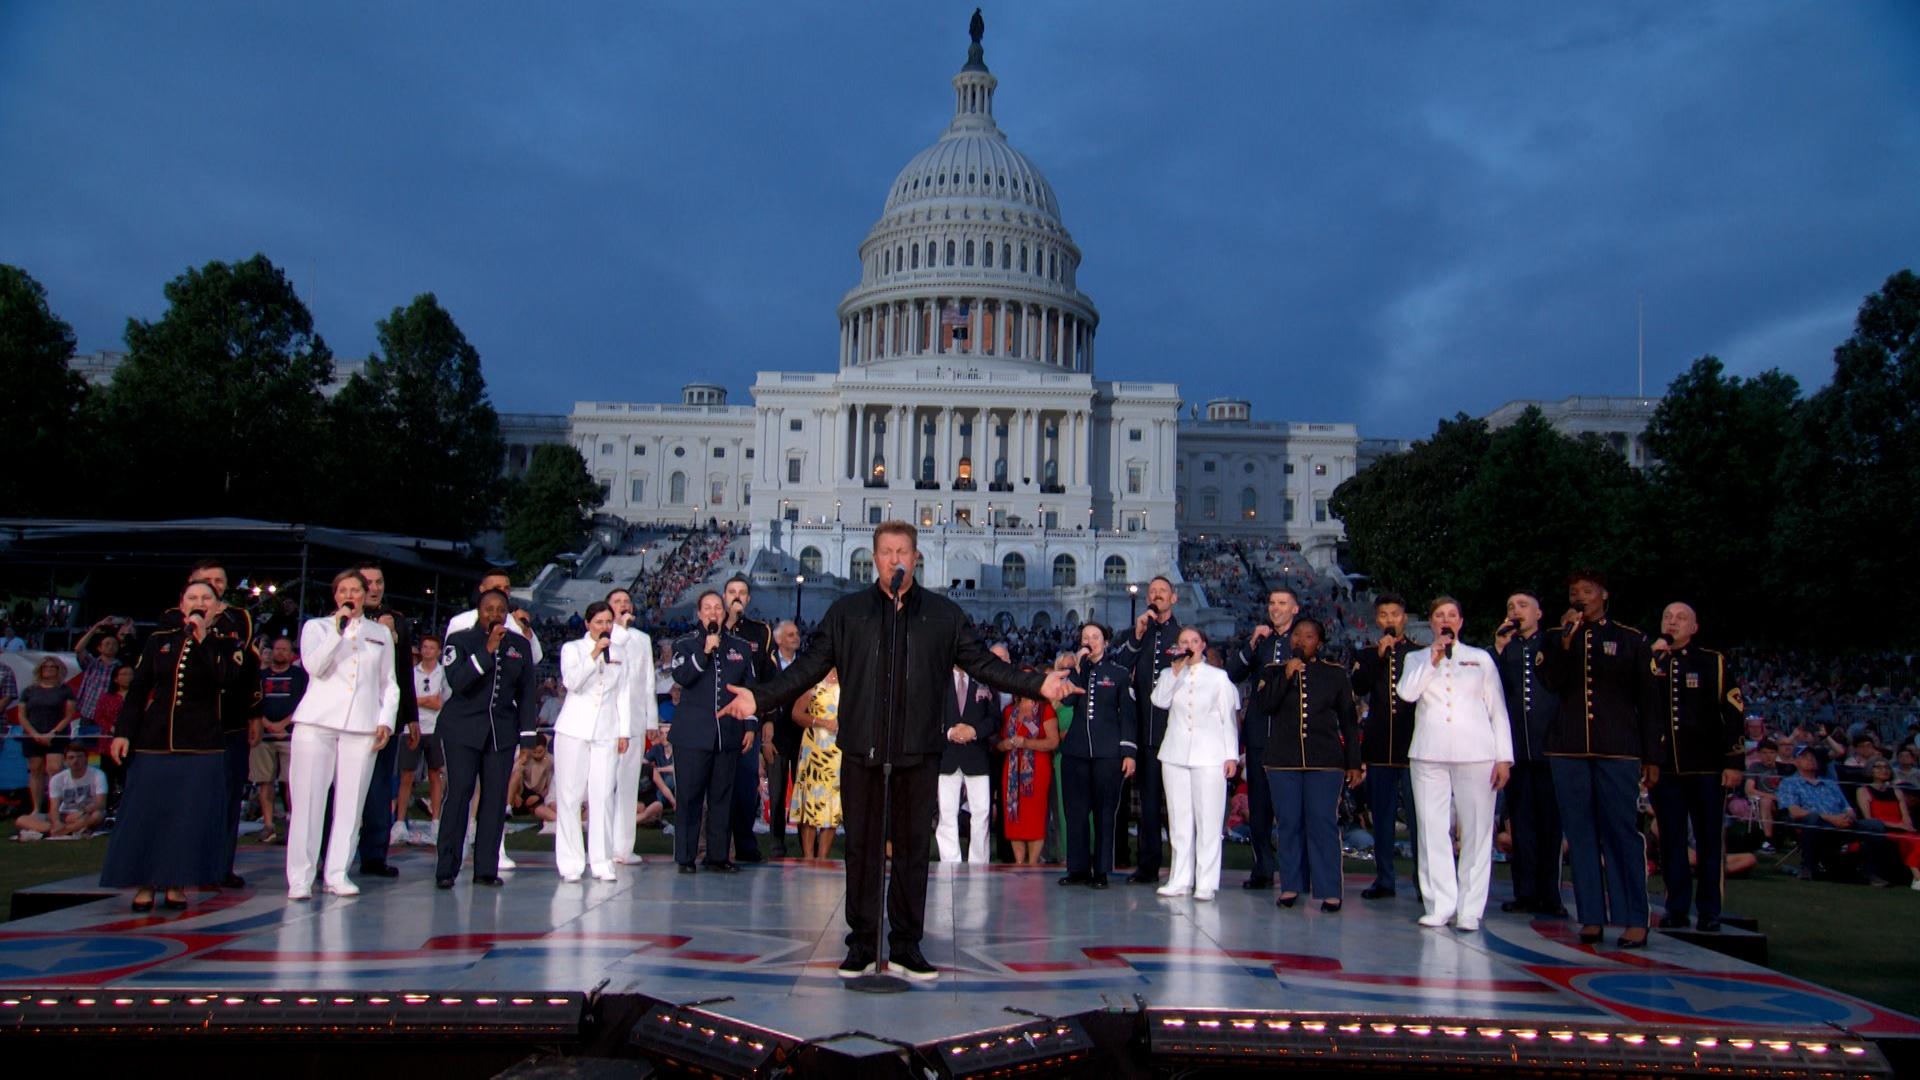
column 416, row 426
column 550, row 508
column 1398, row 512
column 46, row 418
column 1847, row 534
column 1714, row 497
column 225, row 390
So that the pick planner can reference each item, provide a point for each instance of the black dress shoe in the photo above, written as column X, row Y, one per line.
column 379, row 869
column 753, row 857
column 1377, row 892
column 1591, row 935
column 491, row 881
column 722, row 867
column 1626, row 942
column 1709, row 924
column 443, row 883
column 1331, row 907
column 1674, row 922
column 1287, row 901
column 1257, row 883
column 174, row 905
column 1514, row 907
column 1099, row 882
column 1142, row 878
column 1553, row 909
column 143, row 905
column 1076, row 879
column 686, row 868
column 779, row 851
column 233, row 881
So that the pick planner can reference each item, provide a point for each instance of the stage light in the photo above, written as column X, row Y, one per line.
column 1194, row 1036
column 1023, row 1048
column 707, row 1044
column 238, row 1014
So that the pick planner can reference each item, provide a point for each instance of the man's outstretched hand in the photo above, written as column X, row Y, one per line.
column 1058, row 688
column 742, row 707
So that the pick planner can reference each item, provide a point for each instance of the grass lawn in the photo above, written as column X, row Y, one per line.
column 1843, row 936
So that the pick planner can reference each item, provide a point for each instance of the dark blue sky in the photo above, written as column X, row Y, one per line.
column 1346, row 211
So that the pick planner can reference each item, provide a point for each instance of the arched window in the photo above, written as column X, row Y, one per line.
column 1013, row 571
column 1023, row 258
column 988, row 261
column 810, row 561
column 949, row 253
column 1249, row 504
column 969, row 256
column 1115, row 570
column 899, row 258
column 1066, row 572
column 933, row 256
column 677, row 489
column 916, row 256
column 860, row 567
column 886, row 262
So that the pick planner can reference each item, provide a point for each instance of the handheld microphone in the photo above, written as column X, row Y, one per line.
column 1511, row 626
column 1447, row 635
column 1668, row 638
column 1390, row 633
column 345, row 619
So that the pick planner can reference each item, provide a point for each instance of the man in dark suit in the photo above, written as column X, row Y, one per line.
column 376, row 814
column 736, row 595
column 966, row 764
column 493, row 703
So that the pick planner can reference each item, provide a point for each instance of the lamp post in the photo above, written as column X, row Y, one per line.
column 836, row 511
column 799, row 590
column 1133, row 602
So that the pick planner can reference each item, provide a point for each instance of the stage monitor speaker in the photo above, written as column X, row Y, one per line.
column 1036, row 1046
column 299, row 1014
column 707, row 1044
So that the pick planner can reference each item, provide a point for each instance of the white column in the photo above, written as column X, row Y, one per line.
column 1016, row 461
column 974, row 319
column 902, row 419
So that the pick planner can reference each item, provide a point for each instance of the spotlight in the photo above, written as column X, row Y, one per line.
column 1024, row 1048
column 706, row 1044
column 354, row 1013
column 1337, row 1041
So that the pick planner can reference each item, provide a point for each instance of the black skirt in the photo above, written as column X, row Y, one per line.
column 172, row 825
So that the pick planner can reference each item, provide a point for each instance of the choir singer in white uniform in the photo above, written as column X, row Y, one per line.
column 345, row 717
column 591, row 732
column 1199, row 753
column 1461, row 753
column 636, row 652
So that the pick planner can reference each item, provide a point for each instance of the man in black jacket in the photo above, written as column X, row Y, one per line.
column 493, row 703
column 736, row 595
column 1386, row 736
column 1533, row 810
column 1702, row 755
column 895, row 647
column 1268, row 646
column 1149, row 650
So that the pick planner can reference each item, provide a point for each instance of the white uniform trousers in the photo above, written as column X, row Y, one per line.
column 947, row 832
column 626, row 796
column 1442, row 792
column 1196, row 812
column 583, row 772
column 324, row 759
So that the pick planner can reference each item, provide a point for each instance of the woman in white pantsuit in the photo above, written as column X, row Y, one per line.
column 1198, row 754
column 345, row 717
column 589, row 735
column 1460, row 756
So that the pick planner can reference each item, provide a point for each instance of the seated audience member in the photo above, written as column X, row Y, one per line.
column 660, row 764
column 76, row 801
column 1879, row 801
column 530, row 787
column 1828, row 825
column 1762, row 787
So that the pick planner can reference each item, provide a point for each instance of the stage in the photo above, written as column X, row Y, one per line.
column 760, row 948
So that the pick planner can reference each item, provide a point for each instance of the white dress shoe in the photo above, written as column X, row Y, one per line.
column 606, row 875
column 1435, row 919
column 1201, row 894
column 571, row 879
column 1466, row 925
column 1172, row 890
column 343, row 887
column 628, row 860
column 299, row 892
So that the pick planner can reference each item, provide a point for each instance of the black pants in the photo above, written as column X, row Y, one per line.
column 1091, row 790
column 1535, row 816
column 1692, row 803
column 376, row 814
column 705, row 791
column 1146, row 778
column 466, row 767
column 779, row 772
column 916, row 798
column 746, row 802
column 236, row 753
column 1259, row 815
column 1822, row 846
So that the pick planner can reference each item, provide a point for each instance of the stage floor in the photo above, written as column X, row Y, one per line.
column 767, row 941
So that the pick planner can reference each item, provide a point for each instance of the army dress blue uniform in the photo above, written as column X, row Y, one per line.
column 1386, row 735
column 1533, row 810
column 1247, row 664
column 706, row 745
column 1703, row 720
column 1090, row 756
column 1148, row 656
column 493, row 705
column 1316, row 740
column 746, row 781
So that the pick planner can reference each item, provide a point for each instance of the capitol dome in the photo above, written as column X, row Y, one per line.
column 969, row 257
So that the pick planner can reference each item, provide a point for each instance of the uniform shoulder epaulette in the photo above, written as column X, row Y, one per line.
column 1337, row 666
column 1629, row 629
column 1709, row 652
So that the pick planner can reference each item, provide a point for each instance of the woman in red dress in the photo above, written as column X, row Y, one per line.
column 1881, row 801
column 1027, row 738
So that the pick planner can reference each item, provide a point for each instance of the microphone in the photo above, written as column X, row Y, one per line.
column 899, row 578
column 1447, row 635
column 1511, row 626
column 1668, row 638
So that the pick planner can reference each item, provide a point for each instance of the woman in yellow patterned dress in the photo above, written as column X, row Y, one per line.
column 816, row 785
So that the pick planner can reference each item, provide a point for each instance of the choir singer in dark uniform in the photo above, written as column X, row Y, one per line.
column 1095, row 757
column 736, row 595
column 1702, row 754
column 896, row 646
column 1269, row 646
column 493, row 704
column 1152, row 648
column 708, row 741
column 1386, row 735
column 1315, row 747
column 1533, row 811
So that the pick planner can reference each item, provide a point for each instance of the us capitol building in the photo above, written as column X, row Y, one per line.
column 965, row 401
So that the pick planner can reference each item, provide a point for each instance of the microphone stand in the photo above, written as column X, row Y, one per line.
column 880, row 982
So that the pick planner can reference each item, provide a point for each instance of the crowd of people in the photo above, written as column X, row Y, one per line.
column 1584, row 744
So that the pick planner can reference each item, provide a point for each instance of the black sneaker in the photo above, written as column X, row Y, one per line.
column 913, row 965
column 858, row 962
